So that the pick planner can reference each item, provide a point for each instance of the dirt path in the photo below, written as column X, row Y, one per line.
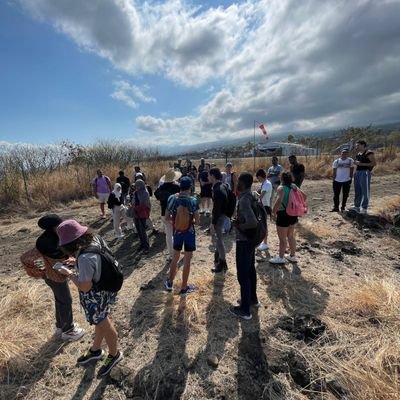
column 169, row 342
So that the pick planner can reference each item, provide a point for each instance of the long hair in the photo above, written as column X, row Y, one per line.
column 81, row 243
column 286, row 178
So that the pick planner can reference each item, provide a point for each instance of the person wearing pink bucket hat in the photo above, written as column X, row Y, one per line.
column 79, row 241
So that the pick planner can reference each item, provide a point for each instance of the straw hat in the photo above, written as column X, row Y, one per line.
column 171, row 176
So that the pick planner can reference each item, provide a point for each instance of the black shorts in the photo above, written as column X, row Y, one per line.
column 206, row 191
column 268, row 210
column 284, row 221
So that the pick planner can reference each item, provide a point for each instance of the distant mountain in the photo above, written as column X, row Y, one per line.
column 323, row 133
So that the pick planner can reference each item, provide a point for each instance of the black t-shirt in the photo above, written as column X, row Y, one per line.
column 364, row 158
column 124, row 182
column 298, row 171
column 163, row 192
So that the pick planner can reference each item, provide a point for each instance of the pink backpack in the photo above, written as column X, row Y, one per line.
column 296, row 206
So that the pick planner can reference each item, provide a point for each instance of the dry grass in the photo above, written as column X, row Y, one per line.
column 25, row 314
column 386, row 207
column 361, row 353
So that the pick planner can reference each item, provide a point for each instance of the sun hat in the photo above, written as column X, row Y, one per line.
column 70, row 230
column 49, row 221
column 171, row 175
column 186, row 183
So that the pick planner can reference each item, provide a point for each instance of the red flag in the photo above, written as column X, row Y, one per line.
column 264, row 131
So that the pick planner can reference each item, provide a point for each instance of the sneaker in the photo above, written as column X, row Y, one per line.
column 363, row 211
column 343, row 209
column 90, row 355
column 277, row 260
column 169, row 285
column 292, row 259
column 188, row 289
column 354, row 208
column 58, row 332
column 220, row 267
column 255, row 304
column 263, row 246
column 238, row 312
column 119, row 236
column 202, row 211
column 109, row 363
column 72, row 335
column 335, row 209
column 103, row 216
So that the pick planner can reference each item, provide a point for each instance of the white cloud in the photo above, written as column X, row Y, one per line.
column 291, row 64
column 131, row 94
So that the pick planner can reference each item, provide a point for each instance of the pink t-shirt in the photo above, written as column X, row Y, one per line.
column 101, row 184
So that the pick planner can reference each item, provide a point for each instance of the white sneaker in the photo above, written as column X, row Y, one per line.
column 354, row 208
column 119, row 236
column 263, row 246
column 363, row 211
column 73, row 335
column 292, row 259
column 277, row 260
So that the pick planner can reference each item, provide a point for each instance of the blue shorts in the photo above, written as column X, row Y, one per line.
column 97, row 305
column 186, row 240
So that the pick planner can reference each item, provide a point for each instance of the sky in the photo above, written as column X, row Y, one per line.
column 174, row 72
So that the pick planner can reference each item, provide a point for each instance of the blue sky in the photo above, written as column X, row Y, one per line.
column 179, row 72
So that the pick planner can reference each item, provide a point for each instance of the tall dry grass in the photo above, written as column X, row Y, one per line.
column 360, row 355
column 67, row 184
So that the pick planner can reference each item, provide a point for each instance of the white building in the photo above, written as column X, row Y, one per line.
column 286, row 149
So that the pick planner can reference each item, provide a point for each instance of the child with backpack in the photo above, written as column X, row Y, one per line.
column 98, row 281
column 39, row 262
column 115, row 202
column 183, row 210
column 288, row 206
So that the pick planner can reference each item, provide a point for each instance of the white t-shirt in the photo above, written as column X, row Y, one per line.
column 266, row 188
column 343, row 169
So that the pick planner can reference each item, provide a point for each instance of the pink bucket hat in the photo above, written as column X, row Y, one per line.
column 70, row 230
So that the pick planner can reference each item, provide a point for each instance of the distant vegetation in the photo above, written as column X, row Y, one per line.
column 41, row 177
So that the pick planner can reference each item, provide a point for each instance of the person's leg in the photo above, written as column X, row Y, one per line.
column 219, row 233
column 243, row 264
column 186, row 268
column 63, row 304
column 346, row 191
column 291, row 239
column 144, row 239
column 168, row 229
column 253, row 279
column 116, row 221
column 102, row 209
column 357, row 189
column 282, row 235
column 336, row 194
column 107, row 331
column 173, row 265
column 366, row 187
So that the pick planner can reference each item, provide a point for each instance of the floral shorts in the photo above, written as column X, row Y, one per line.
column 96, row 305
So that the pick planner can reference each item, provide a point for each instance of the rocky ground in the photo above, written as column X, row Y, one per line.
column 193, row 348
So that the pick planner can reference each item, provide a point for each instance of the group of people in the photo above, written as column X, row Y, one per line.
column 71, row 251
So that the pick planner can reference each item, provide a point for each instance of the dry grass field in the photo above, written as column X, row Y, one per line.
column 327, row 328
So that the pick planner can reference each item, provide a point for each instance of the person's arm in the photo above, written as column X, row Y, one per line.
column 196, row 216
column 278, row 201
column 82, row 286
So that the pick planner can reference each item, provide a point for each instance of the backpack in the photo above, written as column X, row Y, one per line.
column 183, row 217
column 296, row 206
column 257, row 235
column 231, row 202
column 111, row 278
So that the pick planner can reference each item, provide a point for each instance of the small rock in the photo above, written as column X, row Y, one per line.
column 116, row 374
column 213, row 361
column 24, row 230
column 356, row 273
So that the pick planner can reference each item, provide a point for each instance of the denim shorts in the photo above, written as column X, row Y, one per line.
column 186, row 240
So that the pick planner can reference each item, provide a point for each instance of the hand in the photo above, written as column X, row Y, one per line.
column 70, row 261
column 212, row 229
column 356, row 162
column 65, row 271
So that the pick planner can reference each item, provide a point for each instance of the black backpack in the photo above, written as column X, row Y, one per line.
column 111, row 278
column 231, row 202
column 257, row 235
